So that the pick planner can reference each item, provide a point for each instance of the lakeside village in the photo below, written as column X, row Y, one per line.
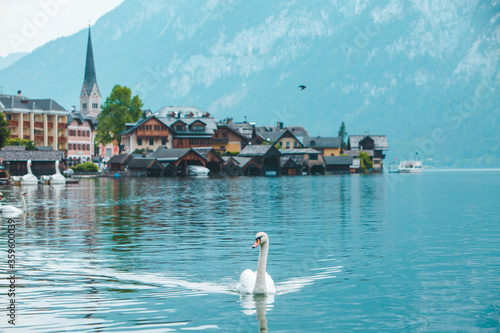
column 173, row 141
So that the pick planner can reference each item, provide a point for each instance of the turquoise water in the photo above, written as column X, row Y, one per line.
column 387, row 253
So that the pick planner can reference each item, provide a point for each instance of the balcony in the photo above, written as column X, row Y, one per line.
column 38, row 138
column 62, row 139
column 220, row 140
column 50, row 138
column 13, row 123
column 14, row 136
column 61, row 125
column 38, row 124
column 50, row 124
column 26, row 137
column 26, row 123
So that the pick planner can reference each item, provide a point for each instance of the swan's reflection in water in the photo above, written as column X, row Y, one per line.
column 257, row 304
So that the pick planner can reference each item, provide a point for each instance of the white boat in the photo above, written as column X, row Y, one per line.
column 197, row 171
column 410, row 167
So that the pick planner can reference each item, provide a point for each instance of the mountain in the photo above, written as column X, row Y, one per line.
column 10, row 59
column 423, row 73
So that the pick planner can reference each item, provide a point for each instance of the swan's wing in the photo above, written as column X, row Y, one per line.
column 270, row 284
column 247, row 282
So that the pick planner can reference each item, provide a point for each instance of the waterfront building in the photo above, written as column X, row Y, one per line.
column 80, row 138
column 44, row 121
column 373, row 145
column 278, row 136
column 228, row 137
column 299, row 161
column 329, row 146
column 267, row 156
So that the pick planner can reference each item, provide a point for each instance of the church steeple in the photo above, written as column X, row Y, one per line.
column 90, row 97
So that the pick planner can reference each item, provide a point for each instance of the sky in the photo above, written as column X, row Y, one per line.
column 28, row 24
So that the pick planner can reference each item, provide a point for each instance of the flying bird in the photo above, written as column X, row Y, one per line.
column 302, row 87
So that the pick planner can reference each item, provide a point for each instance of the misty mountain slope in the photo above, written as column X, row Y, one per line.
column 424, row 73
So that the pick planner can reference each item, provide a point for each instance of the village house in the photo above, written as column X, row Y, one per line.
column 338, row 164
column 300, row 161
column 179, row 158
column 267, row 156
column 328, row 146
column 373, row 145
column 80, row 138
column 15, row 158
column 147, row 134
column 241, row 166
column 278, row 136
column 228, row 138
column 42, row 121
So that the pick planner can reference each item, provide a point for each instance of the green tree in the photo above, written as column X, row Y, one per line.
column 120, row 108
column 365, row 163
column 343, row 135
column 29, row 144
column 4, row 131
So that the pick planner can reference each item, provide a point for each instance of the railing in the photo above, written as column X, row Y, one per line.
column 26, row 123
column 13, row 123
column 38, row 138
column 38, row 124
column 50, row 138
column 14, row 136
column 50, row 124
column 61, row 125
column 26, row 137
column 62, row 139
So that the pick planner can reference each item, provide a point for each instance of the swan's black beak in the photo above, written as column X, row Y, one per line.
column 257, row 243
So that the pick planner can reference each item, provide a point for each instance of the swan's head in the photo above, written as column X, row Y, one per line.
column 1, row 196
column 260, row 238
column 24, row 194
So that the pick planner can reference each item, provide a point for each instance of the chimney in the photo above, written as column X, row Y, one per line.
column 73, row 108
column 280, row 125
column 19, row 93
column 229, row 120
column 293, row 131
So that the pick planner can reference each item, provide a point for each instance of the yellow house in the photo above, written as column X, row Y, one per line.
column 228, row 139
column 329, row 146
column 43, row 121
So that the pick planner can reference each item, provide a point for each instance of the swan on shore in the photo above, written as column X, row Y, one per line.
column 11, row 210
column 258, row 282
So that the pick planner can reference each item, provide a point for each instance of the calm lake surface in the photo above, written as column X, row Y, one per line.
column 385, row 253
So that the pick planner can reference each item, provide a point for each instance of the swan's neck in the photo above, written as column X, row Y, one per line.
column 24, row 203
column 260, row 280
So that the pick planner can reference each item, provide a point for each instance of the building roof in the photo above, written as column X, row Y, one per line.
column 355, row 152
column 242, row 161
column 269, row 133
column 291, row 161
column 19, row 102
column 164, row 154
column 380, row 141
column 323, row 142
column 33, row 155
column 81, row 118
column 144, row 163
column 299, row 151
column 257, row 150
column 338, row 160
column 119, row 159
column 180, row 111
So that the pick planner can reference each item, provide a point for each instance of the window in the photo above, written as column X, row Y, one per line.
column 95, row 105
column 139, row 141
column 151, row 141
column 88, row 147
column 313, row 157
column 79, row 146
column 288, row 144
column 84, row 106
column 224, row 135
column 197, row 127
column 216, row 135
column 180, row 127
column 108, row 152
column 295, row 144
column 163, row 141
column 79, row 133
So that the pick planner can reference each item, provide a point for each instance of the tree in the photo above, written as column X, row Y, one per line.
column 365, row 163
column 343, row 134
column 119, row 108
column 4, row 131
column 29, row 144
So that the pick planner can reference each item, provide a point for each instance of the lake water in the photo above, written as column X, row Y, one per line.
column 387, row 253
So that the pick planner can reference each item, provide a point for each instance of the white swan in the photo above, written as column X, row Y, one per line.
column 11, row 210
column 57, row 178
column 258, row 282
column 29, row 178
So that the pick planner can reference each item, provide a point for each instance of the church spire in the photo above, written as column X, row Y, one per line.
column 90, row 77
column 90, row 96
